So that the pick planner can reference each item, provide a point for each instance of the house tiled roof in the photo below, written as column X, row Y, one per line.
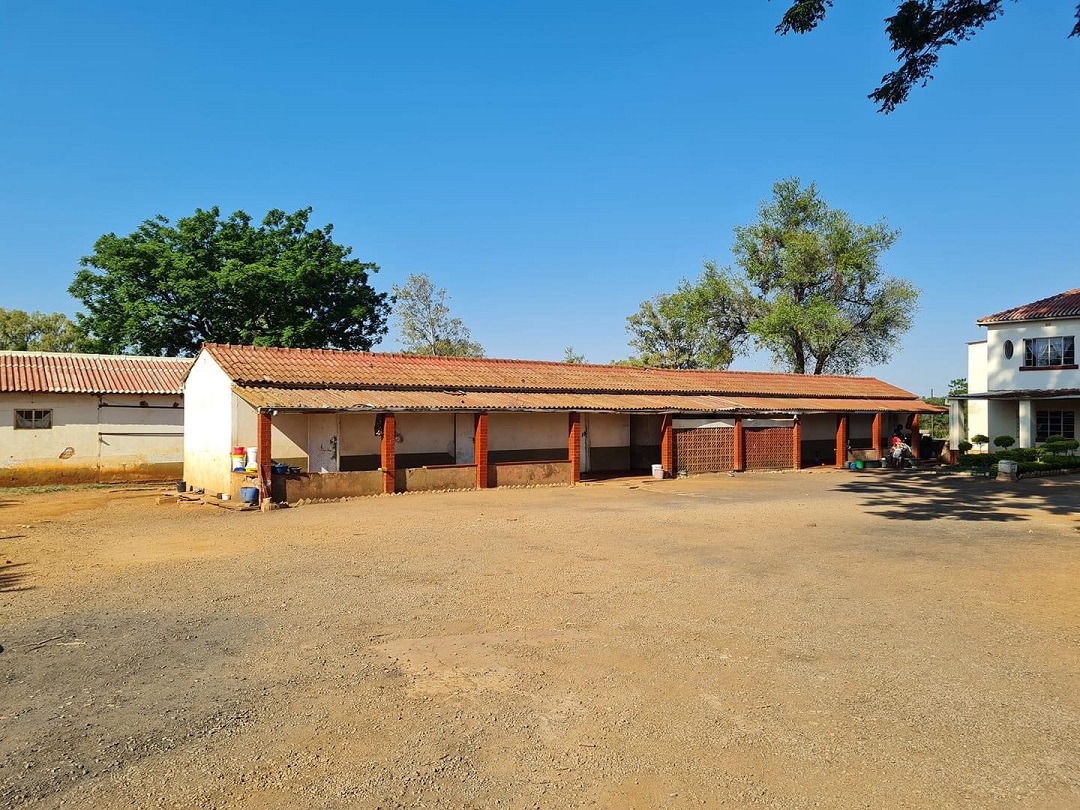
column 316, row 368
column 317, row 379
column 1062, row 305
column 49, row 372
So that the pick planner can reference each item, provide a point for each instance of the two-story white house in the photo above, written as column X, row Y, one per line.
column 1023, row 380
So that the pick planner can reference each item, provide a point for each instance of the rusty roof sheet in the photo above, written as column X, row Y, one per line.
column 381, row 399
column 54, row 372
column 317, row 368
column 1062, row 305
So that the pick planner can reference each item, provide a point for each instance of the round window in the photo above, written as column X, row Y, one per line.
column 1008, row 347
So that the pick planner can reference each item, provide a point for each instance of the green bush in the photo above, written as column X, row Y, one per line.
column 980, row 438
column 1019, row 454
column 981, row 461
column 963, row 447
column 1004, row 442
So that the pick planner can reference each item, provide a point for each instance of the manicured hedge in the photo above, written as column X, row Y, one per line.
column 1027, row 460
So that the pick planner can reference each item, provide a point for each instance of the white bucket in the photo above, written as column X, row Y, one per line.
column 253, row 457
column 658, row 471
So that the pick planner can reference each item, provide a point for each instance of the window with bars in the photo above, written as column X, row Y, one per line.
column 1054, row 423
column 1048, row 352
column 33, row 420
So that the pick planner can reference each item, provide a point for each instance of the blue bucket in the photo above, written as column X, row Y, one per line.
column 249, row 495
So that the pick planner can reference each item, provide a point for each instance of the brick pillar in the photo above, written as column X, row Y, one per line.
column 667, row 446
column 574, row 444
column 841, row 440
column 264, row 450
column 875, row 434
column 915, row 436
column 480, row 451
column 740, row 445
column 389, row 454
column 796, row 444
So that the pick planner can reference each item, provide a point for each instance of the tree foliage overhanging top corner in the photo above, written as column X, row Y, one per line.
column 166, row 288
column 917, row 32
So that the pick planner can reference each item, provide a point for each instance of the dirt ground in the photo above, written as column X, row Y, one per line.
column 796, row 640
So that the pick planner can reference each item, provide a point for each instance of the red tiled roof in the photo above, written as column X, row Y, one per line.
column 48, row 372
column 1062, row 305
column 318, row 368
column 381, row 399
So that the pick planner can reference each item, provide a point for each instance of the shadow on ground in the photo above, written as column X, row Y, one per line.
column 917, row 495
column 11, row 576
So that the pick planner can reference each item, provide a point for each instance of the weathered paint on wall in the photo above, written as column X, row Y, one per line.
column 292, row 488
column 421, row 479
column 528, row 474
column 92, row 439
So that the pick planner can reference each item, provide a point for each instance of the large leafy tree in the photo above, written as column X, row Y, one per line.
column 917, row 31
column 165, row 288
column 809, row 290
column 37, row 332
column 424, row 322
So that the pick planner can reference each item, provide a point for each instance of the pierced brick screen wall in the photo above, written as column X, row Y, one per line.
column 769, row 448
column 706, row 450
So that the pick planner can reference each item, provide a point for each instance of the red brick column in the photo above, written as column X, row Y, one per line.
column 875, row 435
column 915, row 436
column 480, row 450
column 796, row 444
column 667, row 446
column 841, row 440
column 389, row 454
column 574, row 444
column 264, row 450
column 740, row 445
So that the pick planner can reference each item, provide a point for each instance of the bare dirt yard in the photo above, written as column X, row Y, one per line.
column 796, row 640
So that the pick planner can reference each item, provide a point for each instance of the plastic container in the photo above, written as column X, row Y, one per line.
column 224, row 496
column 858, row 465
column 181, row 486
column 249, row 495
column 658, row 471
column 239, row 461
column 253, row 457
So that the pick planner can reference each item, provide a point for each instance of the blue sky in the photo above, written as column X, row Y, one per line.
column 551, row 164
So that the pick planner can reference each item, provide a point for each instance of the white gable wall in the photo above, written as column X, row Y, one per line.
column 1005, row 375
column 208, row 426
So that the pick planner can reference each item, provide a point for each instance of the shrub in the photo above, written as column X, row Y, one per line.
column 980, row 438
column 963, row 447
column 1005, row 442
column 1019, row 454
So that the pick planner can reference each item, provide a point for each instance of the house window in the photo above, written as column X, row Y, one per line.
column 1054, row 423
column 1049, row 352
column 33, row 420
column 1008, row 348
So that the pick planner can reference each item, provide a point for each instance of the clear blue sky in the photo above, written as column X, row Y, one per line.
column 552, row 164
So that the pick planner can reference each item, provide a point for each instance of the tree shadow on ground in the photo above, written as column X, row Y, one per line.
column 11, row 576
column 922, row 495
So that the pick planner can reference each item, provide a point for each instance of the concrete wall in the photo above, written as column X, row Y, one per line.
column 528, row 473
column 208, row 426
column 422, row 479
column 1002, row 420
column 288, row 439
column 426, row 439
column 107, row 438
column 607, row 438
column 292, row 488
column 1003, row 374
column 528, row 437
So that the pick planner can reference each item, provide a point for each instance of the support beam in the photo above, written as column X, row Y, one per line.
column 574, row 447
column 916, row 438
column 875, row 433
column 1026, row 417
column 389, row 454
column 841, row 439
column 480, row 450
column 796, row 444
column 264, row 451
column 740, row 445
column 667, row 446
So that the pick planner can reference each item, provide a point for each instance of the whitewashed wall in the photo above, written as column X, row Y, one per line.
column 1004, row 374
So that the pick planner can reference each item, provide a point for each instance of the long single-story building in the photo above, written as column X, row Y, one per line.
column 90, row 418
column 358, row 423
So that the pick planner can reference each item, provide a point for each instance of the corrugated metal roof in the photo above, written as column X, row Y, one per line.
column 1062, row 305
column 316, row 368
column 54, row 372
column 381, row 399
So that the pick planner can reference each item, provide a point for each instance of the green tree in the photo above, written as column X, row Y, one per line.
column 917, row 32
column 424, row 321
column 810, row 289
column 37, row 332
column 164, row 289
column 572, row 357
column 679, row 330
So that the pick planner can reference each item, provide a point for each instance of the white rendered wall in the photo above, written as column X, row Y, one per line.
column 1005, row 375
column 208, row 426
column 527, row 431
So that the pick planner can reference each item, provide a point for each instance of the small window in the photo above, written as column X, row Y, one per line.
column 1008, row 348
column 1055, row 423
column 33, row 420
